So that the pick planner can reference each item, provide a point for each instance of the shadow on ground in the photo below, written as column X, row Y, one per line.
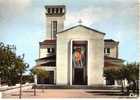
column 108, row 93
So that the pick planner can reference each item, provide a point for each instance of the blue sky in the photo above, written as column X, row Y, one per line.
column 23, row 23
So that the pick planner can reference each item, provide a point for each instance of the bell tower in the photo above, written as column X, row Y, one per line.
column 55, row 15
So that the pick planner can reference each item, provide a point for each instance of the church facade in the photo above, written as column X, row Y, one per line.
column 77, row 55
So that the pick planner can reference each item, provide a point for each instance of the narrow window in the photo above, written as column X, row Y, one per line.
column 52, row 10
column 48, row 10
column 53, row 50
column 108, row 50
column 49, row 50
column 54, row 28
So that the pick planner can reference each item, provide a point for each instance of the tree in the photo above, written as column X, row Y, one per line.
column 41, row 73
column 130, row 71
column 11, row 65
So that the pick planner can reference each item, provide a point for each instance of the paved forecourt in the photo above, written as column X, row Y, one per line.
column 64, row 93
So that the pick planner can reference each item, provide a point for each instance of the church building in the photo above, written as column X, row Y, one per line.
column 77, row 55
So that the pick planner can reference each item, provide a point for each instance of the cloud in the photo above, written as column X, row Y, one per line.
column 9, row 9
column 88, row 16
column 14, row 5
column 129, row 22
column 94, row 12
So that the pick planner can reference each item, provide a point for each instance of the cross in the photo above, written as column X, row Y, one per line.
column 80, row 21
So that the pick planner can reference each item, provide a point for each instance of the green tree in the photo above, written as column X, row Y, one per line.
column 11, row 66
column 41, row 73
column 130, row 71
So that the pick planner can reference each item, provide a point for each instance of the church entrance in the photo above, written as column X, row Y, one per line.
column 78, row 76
column 79, row 62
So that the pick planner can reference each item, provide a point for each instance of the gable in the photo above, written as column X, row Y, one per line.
column 81, row 31
column 82, row 26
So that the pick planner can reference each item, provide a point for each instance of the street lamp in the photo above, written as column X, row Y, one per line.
column 20, row 92
column 0, row 80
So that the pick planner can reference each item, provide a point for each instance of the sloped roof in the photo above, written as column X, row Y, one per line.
column 54, row 6
column 109, row 64
column 83, row 27
column 111, row 58
column 109, row 40
column 47, row 42
column 49, row 57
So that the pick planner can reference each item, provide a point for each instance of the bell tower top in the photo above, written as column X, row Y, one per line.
column 54, row 10
column 55, row 15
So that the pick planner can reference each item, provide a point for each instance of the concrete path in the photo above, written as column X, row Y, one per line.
column 64, row 93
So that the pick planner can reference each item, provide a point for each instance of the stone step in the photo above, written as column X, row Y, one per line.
column 97, row 87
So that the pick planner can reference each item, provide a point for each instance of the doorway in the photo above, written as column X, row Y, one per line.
column 78, row 76
column 79, row 62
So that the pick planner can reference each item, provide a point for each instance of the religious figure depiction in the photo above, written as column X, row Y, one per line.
column 78, row 56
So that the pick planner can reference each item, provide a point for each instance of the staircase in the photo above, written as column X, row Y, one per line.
column 96, row 87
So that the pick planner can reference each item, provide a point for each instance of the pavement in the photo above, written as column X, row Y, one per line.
column 6, row 87
column 28, row 92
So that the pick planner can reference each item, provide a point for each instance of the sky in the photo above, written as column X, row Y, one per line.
column 23, row 23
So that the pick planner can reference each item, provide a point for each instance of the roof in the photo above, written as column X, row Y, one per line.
column 109, row 64
column 49, row 57
column 55, row 6
column 111, row 58
column 83, row 27
column 110, row 40
column 45, row 42
column 112, row 62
